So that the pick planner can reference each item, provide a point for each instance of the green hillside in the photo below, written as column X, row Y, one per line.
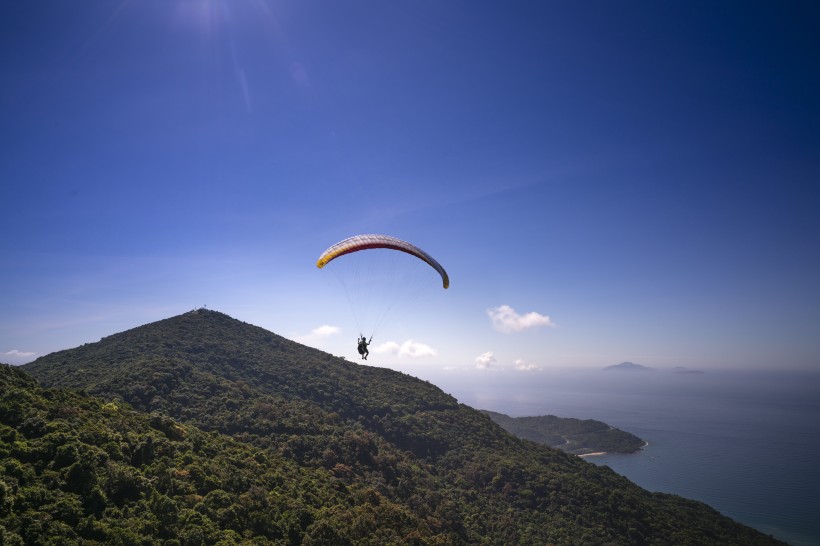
column 576, row 436
column 79, row 470
column 383, row 457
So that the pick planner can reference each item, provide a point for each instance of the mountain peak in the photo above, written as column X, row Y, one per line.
column 206, row 355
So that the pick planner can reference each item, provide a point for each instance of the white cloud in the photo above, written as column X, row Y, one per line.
column 484, row 360
column 506, row 320
column 318, row 334
column 410, row 349
column 389, row 347
column 19, row 354
column 325, row 330
column 16, row 356
column 414, row 349
column 524, row 366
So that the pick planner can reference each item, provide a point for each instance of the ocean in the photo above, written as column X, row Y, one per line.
column 746, row 443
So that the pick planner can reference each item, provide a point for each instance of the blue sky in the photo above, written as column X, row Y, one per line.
column 603, row 181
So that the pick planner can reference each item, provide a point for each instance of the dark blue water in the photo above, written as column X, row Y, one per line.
column 746, row 443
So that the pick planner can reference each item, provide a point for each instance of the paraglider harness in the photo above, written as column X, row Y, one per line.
column 363, row 347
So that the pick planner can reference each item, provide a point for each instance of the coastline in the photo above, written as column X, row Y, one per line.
column 599, row 453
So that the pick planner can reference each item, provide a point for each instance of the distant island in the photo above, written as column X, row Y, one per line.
column 683, row 370
column 576, row 436
column 628, row 366
column 632, row 367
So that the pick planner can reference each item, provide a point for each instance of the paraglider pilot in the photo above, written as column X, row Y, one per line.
column 363, row 343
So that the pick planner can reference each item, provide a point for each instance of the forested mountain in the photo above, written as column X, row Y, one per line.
column 79, row 470
column 343, row 453
column 576, row 436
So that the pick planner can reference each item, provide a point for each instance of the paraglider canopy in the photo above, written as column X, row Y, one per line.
column 364, row 242
column 375, row 280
